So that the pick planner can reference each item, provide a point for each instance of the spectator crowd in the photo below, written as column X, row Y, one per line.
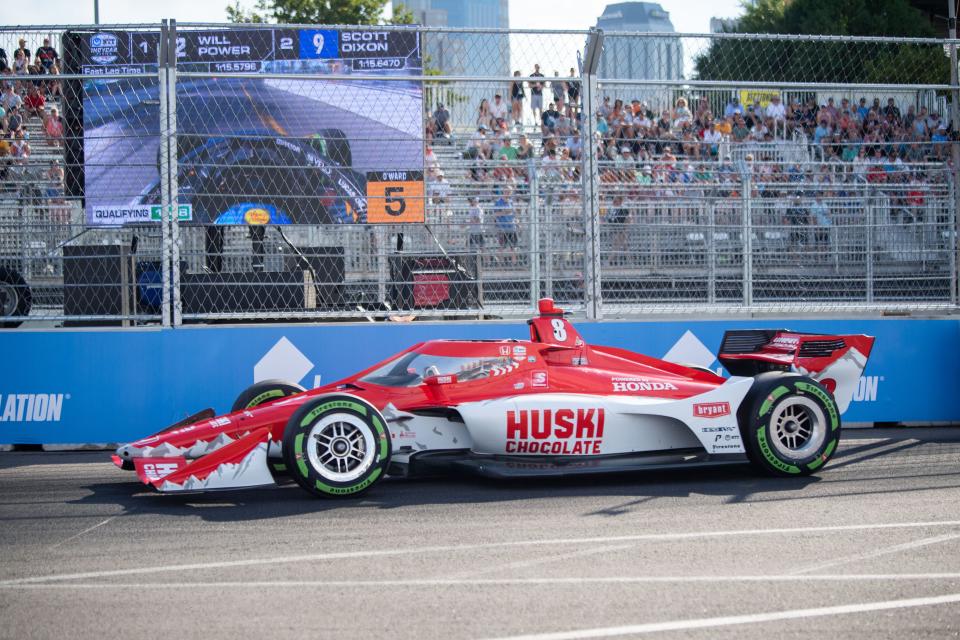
column 30, row 93
column 652, row 152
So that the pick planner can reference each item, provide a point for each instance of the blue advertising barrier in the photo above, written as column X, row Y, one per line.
column 80, row 386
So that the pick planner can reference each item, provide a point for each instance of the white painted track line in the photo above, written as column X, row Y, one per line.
column 752, row 618
column 377, row 553
column 897, row 548
column 576, row 581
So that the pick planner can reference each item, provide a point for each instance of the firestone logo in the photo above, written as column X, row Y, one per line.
column 569, row 432
column 711, row 409
column 32, row 407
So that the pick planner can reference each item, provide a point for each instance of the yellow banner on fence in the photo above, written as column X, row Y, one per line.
column 747, row 96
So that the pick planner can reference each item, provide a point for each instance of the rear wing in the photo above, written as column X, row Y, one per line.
column 836, row 362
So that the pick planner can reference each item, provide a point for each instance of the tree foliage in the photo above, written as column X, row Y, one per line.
column 827, row 61
column 317, row 12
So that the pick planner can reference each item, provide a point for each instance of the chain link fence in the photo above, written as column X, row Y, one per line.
column 168, row 174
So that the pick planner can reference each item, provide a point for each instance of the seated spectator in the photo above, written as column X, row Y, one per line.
column 53, row 127
column 681, row 114
column 550, row 118
column 776, row 111
column 524, row 148
column 10, row 99
column 733, row 107
column 46, row 56
column 483, row 114
column 712, row 139
column 499, row 110
column 14, row 120
column 441, row 121
column 507, row 151
column 34, row 103
column 479, row 144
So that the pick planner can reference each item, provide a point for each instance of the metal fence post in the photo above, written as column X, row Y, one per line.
column 747, row 240
column 166, row 244
column 177, row 307
column 591, row 180
column 534, row 238
column 871, row 234
column 954, row 149
column 711, row 252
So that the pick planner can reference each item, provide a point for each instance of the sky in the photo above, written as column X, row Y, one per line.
column 688, row 16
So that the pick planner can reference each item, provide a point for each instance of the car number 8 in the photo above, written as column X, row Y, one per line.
column 559, row 331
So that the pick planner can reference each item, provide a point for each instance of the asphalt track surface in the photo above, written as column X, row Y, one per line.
column 870, row 548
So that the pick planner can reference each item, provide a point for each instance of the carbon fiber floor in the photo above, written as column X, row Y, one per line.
column 868, row 549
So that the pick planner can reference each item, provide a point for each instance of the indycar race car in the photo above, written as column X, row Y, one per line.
column 551, row 405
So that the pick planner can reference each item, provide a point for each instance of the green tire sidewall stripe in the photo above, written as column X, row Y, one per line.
column 333, row 404
column 771, row 398
column 354, row 488
column 827, row 400
column 298, row 450
column 770, row 456
column 263, row 397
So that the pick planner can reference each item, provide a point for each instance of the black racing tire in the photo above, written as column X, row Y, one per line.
column 790, row 424
column 263, row 392
column 337, row 446
column 15, row 297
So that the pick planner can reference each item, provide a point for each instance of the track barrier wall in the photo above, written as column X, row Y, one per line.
column 99, row 385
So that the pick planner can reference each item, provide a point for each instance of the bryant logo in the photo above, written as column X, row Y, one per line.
column 711, row 409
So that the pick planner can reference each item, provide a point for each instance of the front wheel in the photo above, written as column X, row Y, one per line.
column 336, row 446
column 792, row 425
column 15, row 297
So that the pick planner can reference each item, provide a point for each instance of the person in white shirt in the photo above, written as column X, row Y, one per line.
column 499, row 108
column 776, row 110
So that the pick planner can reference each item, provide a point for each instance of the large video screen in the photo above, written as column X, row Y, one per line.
column 290, row 149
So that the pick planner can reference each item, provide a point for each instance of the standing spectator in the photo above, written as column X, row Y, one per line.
column 499, row 110
column 573, row 89
column 475, row 225
column 516, row 98
column 821, row 217
column 862, row 110
column 484, row 117
column 4, row 62
column 536, row 94
column 892, row 110
column 559, row 89
column 46, row 56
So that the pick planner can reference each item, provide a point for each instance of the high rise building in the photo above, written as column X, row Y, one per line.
column 639, row 57
column 471, row 54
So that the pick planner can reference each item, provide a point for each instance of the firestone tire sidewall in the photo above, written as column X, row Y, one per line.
column 296, row 440
column 263, row 392
column 758, row 434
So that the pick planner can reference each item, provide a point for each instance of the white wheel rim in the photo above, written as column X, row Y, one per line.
column 798, row 427
column 340, row 447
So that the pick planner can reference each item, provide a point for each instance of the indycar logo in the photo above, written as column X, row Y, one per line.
column 711, row 409
column 555, row 431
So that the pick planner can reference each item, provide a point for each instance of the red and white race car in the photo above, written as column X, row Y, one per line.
column 552, row 405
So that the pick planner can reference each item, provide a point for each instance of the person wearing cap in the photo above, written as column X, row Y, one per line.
column 46, row 56
column 507, row 150
column 480, row 143
column 22, row 48
column 733, row 106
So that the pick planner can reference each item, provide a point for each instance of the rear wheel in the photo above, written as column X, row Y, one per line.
column 791, row 425
column 15, row 297
column 336, row 446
